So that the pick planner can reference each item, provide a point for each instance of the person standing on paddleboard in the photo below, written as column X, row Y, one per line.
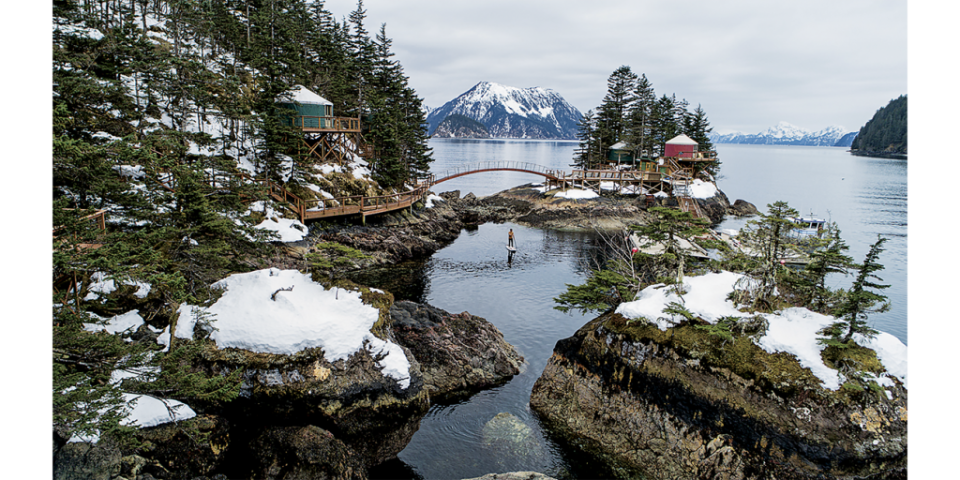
column 510, row 238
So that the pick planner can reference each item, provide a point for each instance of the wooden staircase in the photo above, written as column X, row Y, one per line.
column 340, row 206
column 680, row 181
column 688, row 204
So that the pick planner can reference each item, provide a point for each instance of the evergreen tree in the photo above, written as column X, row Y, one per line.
column 364, row 56
column 639, row 117
column 612, row 113
column 768, row 242
column 663, row 124
column 586, row 155
column 859, row 302
column 697, row 127
column 826, row 258
column 667, row 228
column 396, row 123
column 886, row 132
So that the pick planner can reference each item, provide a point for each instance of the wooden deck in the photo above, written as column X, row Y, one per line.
column 312, row 124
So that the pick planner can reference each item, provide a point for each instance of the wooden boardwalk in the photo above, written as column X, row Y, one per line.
column 365, row 206
column 337, row 207
column 322, row 208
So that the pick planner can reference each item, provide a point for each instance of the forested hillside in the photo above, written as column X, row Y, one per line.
column 459, row 126
column 165, row 124
column 886, row 133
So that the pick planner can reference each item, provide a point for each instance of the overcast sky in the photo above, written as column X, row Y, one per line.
column 749, row 63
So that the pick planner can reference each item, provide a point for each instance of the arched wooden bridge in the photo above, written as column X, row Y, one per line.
column 508, row 166
column 364, row 206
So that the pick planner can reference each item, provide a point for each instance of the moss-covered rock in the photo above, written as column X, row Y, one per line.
column 682, row 404
column 374, row 414
column 185, row 449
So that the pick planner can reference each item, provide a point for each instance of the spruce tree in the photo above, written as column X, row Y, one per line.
column 667, row 228
column 663, row 124
column 859, row 302
column 612, row 113
column 826, row 258
column 638, row 132
column 697, row 127
column 768, row 242
column 586, row 153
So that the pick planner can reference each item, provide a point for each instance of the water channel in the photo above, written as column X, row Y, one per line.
column 865, row 196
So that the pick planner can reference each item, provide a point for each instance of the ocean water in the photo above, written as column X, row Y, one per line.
column 865, row 196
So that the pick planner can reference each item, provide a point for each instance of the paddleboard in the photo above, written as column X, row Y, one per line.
column 512, row 249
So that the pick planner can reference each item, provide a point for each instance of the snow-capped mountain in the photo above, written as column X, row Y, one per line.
column 784, row 133
column 510, row 112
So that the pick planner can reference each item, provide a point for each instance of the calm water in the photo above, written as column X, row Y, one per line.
column 865, row 196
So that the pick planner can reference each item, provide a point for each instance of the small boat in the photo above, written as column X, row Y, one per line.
column 808, row 226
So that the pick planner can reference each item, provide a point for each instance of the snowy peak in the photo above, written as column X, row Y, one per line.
column 511, row 112
column 784, row 133
column 784, row 130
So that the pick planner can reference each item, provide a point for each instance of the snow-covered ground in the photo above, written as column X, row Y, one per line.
column 701, row 189
column 101, row 285
column 289, row 229
column 431, row 199
column 793, row 330
column 306, row 316
column 577, row 194
column 145, row 411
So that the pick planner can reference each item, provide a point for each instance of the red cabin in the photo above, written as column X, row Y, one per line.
column 680, row 146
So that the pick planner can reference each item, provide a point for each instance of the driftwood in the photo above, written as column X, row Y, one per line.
column 274, row 296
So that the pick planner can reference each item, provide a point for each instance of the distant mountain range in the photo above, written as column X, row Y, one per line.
column 508, row 112
column 784, row 133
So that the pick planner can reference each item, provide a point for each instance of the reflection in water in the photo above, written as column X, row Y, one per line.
column 515, row 294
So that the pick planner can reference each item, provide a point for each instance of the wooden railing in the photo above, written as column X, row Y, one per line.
column 467, row 169
column 708, row 156
column 339, row 206
column 689, row 204
column 632, row 175
column 310, row 123
column 98, row 217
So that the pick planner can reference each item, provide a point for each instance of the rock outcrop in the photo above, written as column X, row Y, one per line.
column 398, row 236
column 526, row 205
column 676, row 405
column 371, row 413
column 301, row 416
column 456, row 352
column 304, row 452
column 742, row 208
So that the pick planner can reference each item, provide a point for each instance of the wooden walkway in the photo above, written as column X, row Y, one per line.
column 524, row 167
column 341, row 206
column 365, row 206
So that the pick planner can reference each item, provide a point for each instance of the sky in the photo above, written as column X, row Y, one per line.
column 749, row 63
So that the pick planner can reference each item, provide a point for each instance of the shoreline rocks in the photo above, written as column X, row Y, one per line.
column 300, row 416
column 457, row 352
column 662, row 403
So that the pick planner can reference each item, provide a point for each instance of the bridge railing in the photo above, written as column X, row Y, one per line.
column 495, row 165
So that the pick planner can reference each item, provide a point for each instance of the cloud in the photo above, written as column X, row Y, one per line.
column 750, row 63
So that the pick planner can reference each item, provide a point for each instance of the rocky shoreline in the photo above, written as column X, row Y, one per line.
column 672, row 405
column 299, row 416
column 396, row 237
